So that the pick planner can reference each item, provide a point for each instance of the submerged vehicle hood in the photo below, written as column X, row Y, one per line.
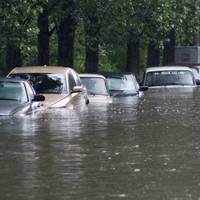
column 172, row 92
column 100, row 99
column 8, row 108
column 174, row 86
column 56, row 100
column 121, row 93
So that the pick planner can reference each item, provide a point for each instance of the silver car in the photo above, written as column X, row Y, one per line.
column 122, row 85
column 18, row 97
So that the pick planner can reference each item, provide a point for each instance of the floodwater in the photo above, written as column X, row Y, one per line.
column 144, row 148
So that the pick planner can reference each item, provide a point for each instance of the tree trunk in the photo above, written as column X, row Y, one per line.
column 133, row 53
column 13, row 56
column 66, row 34
column 196, row 40
column 169, row 46
column 92, row 32
column 153, row 54
column 92, row 56
column 43, row 37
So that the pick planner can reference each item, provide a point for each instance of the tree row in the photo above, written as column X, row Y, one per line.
column 93, row 36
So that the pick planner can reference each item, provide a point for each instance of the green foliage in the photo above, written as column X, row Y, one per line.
column 18, row 26
column 152, row 20
column 16, row 17
column 79, row 48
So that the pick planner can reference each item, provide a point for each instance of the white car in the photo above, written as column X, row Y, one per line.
column 96, row 86
column 168, row 76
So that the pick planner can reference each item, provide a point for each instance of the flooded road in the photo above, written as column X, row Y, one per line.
column 144, row 148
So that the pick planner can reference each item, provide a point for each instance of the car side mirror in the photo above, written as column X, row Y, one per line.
column 77, row 89
column 38, row 97
column 198, row 82
column 143, row 88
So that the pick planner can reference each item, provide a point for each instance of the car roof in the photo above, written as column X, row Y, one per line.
column 13, row 80
column 195, row 67
column 91, row 76
column 117, row 75
column 168, row 68
column 40, row 69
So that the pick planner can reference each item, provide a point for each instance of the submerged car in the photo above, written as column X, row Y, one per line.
column 61, row 86
column 96, row 87
column 122, row 85
column 168, row 76
column 18, row 97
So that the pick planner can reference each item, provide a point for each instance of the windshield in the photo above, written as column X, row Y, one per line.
column 161, row 78
column 125, row 83
column 12, row 91
column 95, row 86
column 45, row 83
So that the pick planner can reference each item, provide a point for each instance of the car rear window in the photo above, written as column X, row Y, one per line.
column 95, row 86
column 160, row 78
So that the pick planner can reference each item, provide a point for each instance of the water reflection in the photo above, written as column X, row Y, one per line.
column 134, row 148
column 168, row 145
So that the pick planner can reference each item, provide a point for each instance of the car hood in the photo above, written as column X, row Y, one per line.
column 56, row 100
column 99, row 99
column 174, row 86
column 9, row 107
column 121, row 93
column 166, row 92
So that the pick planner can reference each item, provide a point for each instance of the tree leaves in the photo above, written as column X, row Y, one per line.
column 150, row 19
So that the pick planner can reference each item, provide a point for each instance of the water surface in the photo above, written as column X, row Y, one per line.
column 135, row 148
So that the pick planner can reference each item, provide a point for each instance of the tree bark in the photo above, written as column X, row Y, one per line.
column 92, row 55
column 92, row 34
column 133, row 53
column 43, row 37
column 196, row 40
column 169, row 46
column 13, row 56
column 153, row 54
column 66, row 35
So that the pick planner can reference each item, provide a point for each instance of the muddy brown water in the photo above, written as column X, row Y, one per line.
column 144, row 148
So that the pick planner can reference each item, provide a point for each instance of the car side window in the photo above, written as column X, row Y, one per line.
column 24, row 96
column 78, row 80
column 72, row 81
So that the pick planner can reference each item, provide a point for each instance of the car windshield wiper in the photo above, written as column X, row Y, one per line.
column 45, row 92
column 165, row 84
column 8, row 99
column 91, row 93
column 182, row 84
column 96, row 94
column 174, row 83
